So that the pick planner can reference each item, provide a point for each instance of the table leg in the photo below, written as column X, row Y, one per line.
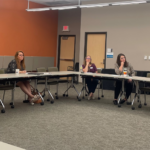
column 71, row 86
column 119, row 98
column 42, row 103
column 46, row 88
column 3, row 110
column 83, row 89
column 136, row 94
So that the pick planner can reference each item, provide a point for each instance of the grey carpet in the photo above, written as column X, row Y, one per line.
column 71, row 125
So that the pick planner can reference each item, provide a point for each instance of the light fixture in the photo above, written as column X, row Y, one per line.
column 63, row 8
column 96, row 5
column 129, row 3
column 39, row 9
column 90, row 5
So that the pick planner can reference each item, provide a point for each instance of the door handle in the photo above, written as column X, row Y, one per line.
column 103, row 61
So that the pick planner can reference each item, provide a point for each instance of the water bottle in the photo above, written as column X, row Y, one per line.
column 81, row 69
column 125, row 71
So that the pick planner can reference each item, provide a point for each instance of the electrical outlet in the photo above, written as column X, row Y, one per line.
column 145, row 57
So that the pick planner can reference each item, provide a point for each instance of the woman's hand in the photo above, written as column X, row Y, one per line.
column 130, row 80
column 95, row 72
column 122, row 63
column 24, row 71
column 87, row 63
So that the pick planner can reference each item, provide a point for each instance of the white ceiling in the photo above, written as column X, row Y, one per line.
column 54, row 3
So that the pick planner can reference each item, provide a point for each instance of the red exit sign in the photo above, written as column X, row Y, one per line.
column 65, row 28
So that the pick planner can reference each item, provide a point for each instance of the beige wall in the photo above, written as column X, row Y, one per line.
column 72, row 18
column 128, row 32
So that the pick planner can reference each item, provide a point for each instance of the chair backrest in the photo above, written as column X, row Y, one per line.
column 148, row 75
column 142, row 73
column 52, row 69
column 3, row 70
column 77, row 66
column 108, row 84
column 99, row 70
column 109, row 71
column 41, row 69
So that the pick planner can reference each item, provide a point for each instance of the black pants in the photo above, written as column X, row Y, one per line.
column 128, row 87
column 92, row 84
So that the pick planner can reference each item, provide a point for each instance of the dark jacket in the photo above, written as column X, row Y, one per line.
column 12, row 66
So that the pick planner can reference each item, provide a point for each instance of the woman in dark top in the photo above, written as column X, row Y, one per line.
column 121, row 66
column 19, row 63
column 88, row 66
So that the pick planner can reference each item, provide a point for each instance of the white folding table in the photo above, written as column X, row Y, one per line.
column 35, row 75
column 136, row 80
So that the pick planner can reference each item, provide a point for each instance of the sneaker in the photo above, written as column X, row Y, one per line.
column 115, row 102
column 122, row 101
column 89, row 97
column 93, row 97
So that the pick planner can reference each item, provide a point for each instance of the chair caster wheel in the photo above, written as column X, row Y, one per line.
column 12, row 106
column 133, row 108
column 145, row 104
column 79, row 99
column 56, row 97
column 63, row 95
column 138, row 101
column 43, row 95
column 119, row 105
column 85, row 94
column 48, row 100
column 102, row 95
column 67, row 95
column 3, row 111
column 42, row 103
column 83, row 97
column 99, row 98
column 140, row 106
column 11, row 103
column 52, row 102
column 55, row 93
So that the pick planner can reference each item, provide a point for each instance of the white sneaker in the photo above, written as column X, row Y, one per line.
column 93, row 97
column 89, row 97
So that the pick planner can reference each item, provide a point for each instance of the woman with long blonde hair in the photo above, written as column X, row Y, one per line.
column 88, row 66
column 19, row 63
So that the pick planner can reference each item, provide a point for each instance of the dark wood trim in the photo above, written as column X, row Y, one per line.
column 85, row 46
column 59, row 45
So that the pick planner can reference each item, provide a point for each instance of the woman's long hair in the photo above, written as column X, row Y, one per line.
column 119, row 62
column 22, row 63
column 84, row 63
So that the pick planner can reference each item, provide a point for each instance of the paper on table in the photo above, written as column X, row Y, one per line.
column 47, row 73
column 89, row 72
